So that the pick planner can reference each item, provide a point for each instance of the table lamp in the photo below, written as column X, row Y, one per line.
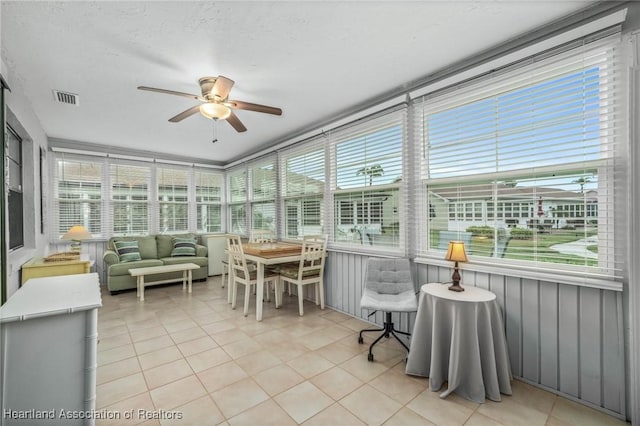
column 457, row 254
column 76, row 234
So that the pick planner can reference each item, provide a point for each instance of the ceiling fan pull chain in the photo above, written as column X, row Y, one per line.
column 215, row 131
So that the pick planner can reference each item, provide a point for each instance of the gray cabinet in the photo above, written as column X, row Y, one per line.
column 48, row 350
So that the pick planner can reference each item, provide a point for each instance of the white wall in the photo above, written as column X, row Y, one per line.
column 22, row 118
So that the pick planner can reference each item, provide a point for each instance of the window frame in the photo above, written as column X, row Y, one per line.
column 599, row 276
column 368, row 236
column 237, row 203
column 153, row 202
column 15, row 193
column 214, row 204
column 263, row 194
column 305, row 185
column 130, row 204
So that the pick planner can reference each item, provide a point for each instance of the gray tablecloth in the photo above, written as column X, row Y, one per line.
column 462, row 342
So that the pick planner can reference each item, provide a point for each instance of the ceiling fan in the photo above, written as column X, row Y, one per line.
column 217, row 105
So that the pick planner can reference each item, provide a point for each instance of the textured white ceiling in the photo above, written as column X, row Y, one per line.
column 315, row 60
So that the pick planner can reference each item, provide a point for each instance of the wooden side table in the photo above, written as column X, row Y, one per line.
column 37, row 267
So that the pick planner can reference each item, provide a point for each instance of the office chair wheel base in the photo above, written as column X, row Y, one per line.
column 360, row 340
column 370, row 357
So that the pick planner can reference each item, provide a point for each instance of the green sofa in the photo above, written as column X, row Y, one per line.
column 155, row 250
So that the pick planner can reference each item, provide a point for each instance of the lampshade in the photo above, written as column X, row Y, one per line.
column 456, row 252
column 77, row 233
column 213, row 110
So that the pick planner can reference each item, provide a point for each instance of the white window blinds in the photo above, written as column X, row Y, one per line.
column 173, row 200
column 302, row 187
column 367, row 167
column 263, row 194
column 520, row 165
column 78, row 196
column 237, row 209
column 263, row 180
column 113, row 196
column 208, row 187
column 130, row 186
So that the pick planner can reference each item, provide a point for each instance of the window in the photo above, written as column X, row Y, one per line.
column 237, row 201
column 173, row 200
column 208, row 201
column 111, row 196
column 367, row 166
column 303, row 186
column 15, row 198
column 78, row 196
column 263, row 195
column 526, row 157
column 130, row 199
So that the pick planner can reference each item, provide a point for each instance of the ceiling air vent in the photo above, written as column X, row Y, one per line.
column 66, row 97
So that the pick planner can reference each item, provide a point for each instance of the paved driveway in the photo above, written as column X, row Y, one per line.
column 578, row 248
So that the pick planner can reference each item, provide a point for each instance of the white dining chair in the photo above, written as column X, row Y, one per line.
column 310, row 270
column 241, row 273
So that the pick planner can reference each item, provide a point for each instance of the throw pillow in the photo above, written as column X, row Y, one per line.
column 128, row 251
column 183, row 247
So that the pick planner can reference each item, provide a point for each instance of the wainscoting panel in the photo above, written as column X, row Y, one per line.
column 563, row 338
column 95, row 250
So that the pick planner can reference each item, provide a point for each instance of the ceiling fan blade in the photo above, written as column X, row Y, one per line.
column 254, row 107
column 222, row 87
column 185, row 114
column 172, row 92
column 236, row 123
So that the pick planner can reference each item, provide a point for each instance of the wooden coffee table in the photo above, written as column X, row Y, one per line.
column 186, row 269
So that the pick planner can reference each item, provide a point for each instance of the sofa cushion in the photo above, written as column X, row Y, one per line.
column 128, row 251
column 123, row 268
column 146, row 245
column 165, row 243
column 148, row 249
column 183, row 247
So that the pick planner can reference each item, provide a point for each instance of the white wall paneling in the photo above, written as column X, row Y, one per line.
column 563, row 338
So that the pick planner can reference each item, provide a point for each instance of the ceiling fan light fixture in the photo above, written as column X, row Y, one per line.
column 213, row 110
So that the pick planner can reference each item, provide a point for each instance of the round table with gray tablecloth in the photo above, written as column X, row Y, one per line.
column 459, row 338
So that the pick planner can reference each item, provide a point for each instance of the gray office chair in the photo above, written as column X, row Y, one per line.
column 388, row 287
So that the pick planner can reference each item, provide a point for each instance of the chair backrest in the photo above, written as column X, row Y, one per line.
column 389, row 276
column 238, row 266
column 262, row 236
column 314, row 252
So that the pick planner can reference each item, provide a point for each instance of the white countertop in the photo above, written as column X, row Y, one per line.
column 46, row 296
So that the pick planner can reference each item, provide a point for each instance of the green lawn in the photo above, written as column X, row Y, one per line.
column 521, row 249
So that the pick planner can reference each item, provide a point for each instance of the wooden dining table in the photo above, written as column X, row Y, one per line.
column 267, row 254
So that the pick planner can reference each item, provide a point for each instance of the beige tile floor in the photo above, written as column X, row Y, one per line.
column 193, row 357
